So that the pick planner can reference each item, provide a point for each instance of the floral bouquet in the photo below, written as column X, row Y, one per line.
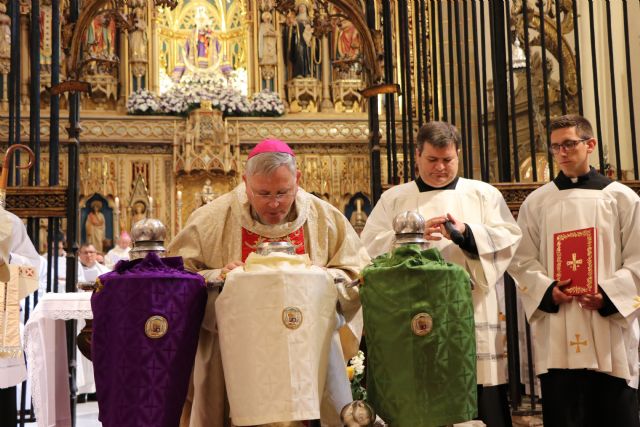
column 267, row 103
column 142, row 102
column 355, row 372
column 230, row 101
column 177, row 100
column 192, row 89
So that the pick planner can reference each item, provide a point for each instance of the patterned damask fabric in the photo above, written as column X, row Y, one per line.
column 145, row 332
column 276, row 319
column 23, row 281
column 418, row 317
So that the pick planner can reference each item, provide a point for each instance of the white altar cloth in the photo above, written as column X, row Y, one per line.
column 45, row 346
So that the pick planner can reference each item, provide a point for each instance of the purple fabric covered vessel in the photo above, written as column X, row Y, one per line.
column 146, row 322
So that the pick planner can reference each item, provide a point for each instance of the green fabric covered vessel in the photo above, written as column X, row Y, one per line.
column 419, row 328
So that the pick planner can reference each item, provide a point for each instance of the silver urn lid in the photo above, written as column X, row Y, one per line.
column 409, row 228
column 265, row 248
column 148, row 236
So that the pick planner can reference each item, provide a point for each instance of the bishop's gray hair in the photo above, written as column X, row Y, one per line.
column 267, row 163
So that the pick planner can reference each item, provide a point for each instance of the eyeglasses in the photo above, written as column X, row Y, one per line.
column 278, row 197
column 568, row 145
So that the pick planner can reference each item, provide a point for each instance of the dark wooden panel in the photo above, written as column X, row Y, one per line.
column 37, row 202
column 515, row 193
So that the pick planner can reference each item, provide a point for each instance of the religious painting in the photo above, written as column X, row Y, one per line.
column 96, row 223
column 100, row 40
column 348, row 42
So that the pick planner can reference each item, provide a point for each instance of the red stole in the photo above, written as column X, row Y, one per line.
column 250, row 241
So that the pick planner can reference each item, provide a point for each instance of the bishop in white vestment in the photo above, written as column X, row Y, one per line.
column 586, row 347
column 490, row 239
column 219, row 236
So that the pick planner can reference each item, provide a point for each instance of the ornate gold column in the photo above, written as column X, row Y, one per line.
column 153, row 75
column 5, row 53
column 251, row 61
column 281, row 68
column 326, row 104
column 25, row 9
column 123, row 72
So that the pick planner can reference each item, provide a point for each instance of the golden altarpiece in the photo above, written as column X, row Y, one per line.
column 317, row 56
column 132, row 165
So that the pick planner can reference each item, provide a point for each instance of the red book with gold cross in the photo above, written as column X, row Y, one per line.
column 575, row 257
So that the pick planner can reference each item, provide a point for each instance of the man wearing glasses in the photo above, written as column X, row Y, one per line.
column 267, row 206
column 586, row 346
column 88, row 259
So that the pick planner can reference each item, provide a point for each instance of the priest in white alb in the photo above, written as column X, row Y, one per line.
column 218, row 237
column 488, row 242
column 586, row 346
column 17, row 281
column 120, row 252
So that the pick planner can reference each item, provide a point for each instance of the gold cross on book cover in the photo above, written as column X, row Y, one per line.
column 575, row 257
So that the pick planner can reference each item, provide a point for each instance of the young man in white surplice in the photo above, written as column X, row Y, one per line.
column 586, row 347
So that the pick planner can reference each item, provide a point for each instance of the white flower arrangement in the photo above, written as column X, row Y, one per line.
column 357, row 362
column 194, row 88
column 174, row 101
column 267, row 102
column 142, row 102
column 355, row 373
column 231, row 102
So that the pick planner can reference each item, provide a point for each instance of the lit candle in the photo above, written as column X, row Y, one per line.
column 117, row 201
column 179, row 196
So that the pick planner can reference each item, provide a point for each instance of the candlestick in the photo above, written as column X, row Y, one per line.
column 117, row 216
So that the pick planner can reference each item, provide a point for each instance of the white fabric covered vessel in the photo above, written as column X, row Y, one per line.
column 276, row 318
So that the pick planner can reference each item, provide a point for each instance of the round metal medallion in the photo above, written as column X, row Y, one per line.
column 292, row 317
column 156, row 327
column 421, row 324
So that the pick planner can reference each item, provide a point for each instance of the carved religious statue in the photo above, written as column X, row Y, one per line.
column 267, row 53
column 139, row 212
column 5, row 40
column 95, row 226
column 203, row 49
column 138, row 36
column 138, row 43
column 299, row 41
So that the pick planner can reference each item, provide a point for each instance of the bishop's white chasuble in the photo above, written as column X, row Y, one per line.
column 213, row 237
